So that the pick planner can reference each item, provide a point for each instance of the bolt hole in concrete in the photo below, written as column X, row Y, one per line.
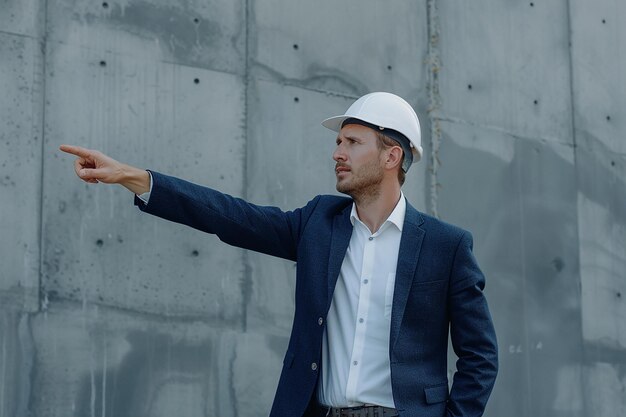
column 532, row 4
column 603, row 21
column 99, row 242
column 105, row 5
column 196, row 20
column 103, row 63
column 536, row 102
column 612, row 163
column 296, row 99
column 389, row 67
column 295, row 46
column 608, row 118
column 196, row 80
column 195, row 253
column 469, row 86
column 619, row 295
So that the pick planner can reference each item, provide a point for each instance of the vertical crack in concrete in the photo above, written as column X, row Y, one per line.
column 42, row 133
column 583, row 397
column 528, row 403
column 231, row 382
column 26, row 393
column 434, row 99
column 3, row 369
column 104, row 376
column 246, row 284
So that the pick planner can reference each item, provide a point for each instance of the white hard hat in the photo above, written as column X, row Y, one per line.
column 386, row 111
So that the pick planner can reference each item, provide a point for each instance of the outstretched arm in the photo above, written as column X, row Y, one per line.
column 93, row 167
column 263, row 229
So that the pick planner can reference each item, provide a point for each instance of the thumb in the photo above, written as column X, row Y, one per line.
column 92, row 173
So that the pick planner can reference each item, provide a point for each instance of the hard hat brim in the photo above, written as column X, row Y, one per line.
column 335, row 122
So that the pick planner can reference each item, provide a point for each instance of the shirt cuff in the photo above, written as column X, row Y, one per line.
column 145, row 197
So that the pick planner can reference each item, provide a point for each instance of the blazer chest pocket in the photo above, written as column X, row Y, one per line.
column 436, row 393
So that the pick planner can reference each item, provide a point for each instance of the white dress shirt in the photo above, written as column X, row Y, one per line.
column 355, row 347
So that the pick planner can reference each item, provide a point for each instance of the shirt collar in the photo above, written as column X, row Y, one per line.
column 396, row 217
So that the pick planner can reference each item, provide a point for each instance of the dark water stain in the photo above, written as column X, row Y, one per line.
column 598, row 176
column 154, row 361
column 186, row 37
column 524, row 211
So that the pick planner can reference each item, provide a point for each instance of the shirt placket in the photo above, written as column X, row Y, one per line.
column 361, row 316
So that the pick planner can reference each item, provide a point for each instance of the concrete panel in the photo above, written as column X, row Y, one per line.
column 22, row 17
column 208, row 34
column 174, row 119
column 602, row 230
column 20, row 167
column 351, row 47
column 599, row 64
column 289, row 163
column 518, row 197
column 506, row 65
column 126, row 364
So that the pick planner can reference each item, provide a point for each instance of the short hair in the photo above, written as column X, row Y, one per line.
column 385, row 142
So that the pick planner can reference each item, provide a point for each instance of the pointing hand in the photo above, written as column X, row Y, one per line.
column 94, row 166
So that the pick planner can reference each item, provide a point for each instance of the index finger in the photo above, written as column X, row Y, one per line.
column 76, row 150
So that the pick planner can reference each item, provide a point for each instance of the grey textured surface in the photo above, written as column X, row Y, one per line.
column 508, row 67
column 139, row 262
column 20, row 168
column 105, row 311
column 345, row 47
column 22, row 17
column 207, row 34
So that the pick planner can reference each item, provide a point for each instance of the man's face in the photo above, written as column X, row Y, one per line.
column 359, row 166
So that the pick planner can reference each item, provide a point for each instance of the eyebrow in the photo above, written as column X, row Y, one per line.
column 355, row 138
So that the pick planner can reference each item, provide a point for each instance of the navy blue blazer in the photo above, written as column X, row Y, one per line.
column 438, row 291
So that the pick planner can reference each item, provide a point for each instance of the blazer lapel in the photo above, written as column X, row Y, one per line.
column 410, row 246
column 340, row 239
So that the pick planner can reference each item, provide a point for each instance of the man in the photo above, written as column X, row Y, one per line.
column 378, row 285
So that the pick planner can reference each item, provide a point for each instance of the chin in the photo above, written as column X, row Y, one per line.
column 344, row 189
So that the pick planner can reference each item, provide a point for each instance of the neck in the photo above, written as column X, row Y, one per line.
column 375, row 207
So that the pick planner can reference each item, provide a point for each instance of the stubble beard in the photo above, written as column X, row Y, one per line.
column 364, row 184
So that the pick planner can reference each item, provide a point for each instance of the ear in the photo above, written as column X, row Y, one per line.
column 394, row 157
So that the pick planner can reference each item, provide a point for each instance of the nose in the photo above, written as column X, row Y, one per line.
column 339, row 154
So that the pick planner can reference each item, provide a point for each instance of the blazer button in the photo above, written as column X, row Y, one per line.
column 320, row 321
column 314, row 366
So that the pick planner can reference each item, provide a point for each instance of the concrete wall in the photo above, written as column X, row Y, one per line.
column 108, row 312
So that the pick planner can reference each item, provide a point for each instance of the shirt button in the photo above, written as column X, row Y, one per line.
column 355, row 363
column 371, row 238
column 320, row 321
column 361, row 320
column 314, row 366
column 365, row 281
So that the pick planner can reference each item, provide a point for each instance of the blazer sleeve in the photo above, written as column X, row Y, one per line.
column 472, row 334
column 236, row 222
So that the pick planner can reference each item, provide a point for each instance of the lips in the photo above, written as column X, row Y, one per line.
column 341, row 168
